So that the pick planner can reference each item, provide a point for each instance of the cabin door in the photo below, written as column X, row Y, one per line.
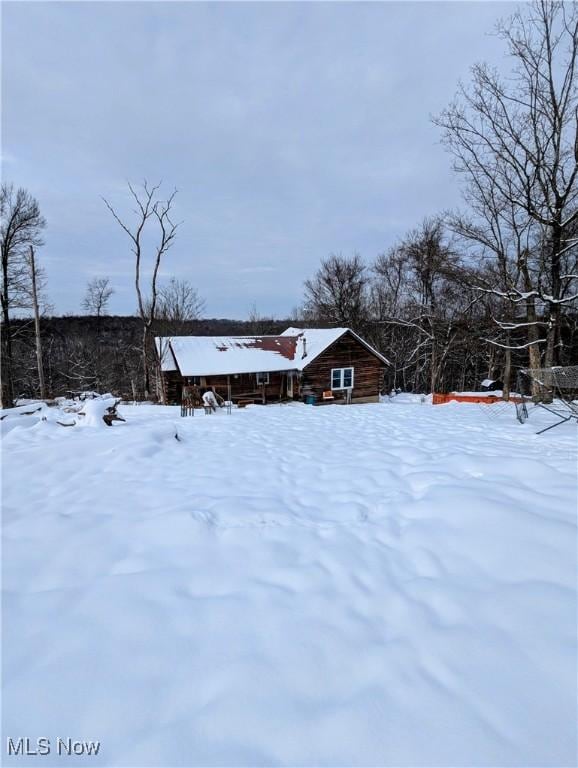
column 290, row 386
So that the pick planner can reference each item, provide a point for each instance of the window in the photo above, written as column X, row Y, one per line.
column 342, row 378
column 262, row 378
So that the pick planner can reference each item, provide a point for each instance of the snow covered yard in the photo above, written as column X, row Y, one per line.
column 378, row 585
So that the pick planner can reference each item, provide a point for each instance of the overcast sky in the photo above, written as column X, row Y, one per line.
column 291, row 130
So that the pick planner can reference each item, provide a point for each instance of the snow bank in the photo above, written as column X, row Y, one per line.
column 25, row 415
column 372, row 585
column 94, row 410
column 406, row 398
column 62, row 412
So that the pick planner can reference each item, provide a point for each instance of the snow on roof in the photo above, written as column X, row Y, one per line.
column 221, row 355
column 168, row 362
column 294, row 349
column 318, row 339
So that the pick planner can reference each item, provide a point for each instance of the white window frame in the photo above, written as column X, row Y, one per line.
column 341, row 377
column 262, row 378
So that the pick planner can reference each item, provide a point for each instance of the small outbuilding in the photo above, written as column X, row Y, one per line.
column 318, row 365
column 491, row 385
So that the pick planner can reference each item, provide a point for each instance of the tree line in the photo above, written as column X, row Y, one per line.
column 468, row 294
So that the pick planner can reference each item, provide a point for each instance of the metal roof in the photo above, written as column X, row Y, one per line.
column 293, row 350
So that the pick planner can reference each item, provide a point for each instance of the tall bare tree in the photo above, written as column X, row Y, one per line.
column 149, row 208
column 34, row 291
column 95, row 302
column 20, row 228
column 98, row 293
column 416, row 288
column 515, row 142
column 501, row 241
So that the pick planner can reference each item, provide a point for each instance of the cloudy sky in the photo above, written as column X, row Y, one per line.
column 291, row 130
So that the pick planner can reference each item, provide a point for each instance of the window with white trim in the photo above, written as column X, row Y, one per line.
column 262, row 378
column 342, row 378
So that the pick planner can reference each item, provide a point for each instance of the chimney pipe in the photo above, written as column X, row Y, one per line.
column 304, row 348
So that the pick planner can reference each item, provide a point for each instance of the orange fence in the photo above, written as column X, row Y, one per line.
column 439, row 399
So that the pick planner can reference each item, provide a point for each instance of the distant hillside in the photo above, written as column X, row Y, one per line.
column 129, row 324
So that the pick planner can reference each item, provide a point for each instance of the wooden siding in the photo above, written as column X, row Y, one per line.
column 346, row 352
column 173, row 387
column 243, row 385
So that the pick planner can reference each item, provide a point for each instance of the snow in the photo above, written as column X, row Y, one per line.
column 167, row 358
column 222, row 355
column 22, row 409
column 317, row 340
column 94, row 411
column 63, row 412
column 484, row 393
column 407, row 398
column 367, row 585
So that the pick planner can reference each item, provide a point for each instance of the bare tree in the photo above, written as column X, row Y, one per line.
column 518, row 137
column 34, row 289
column 502, row 243
column 338, row 293
column 178, row 303
column 149, row 207
column 258, row 324
column 20, row 228
column 95, row 302
column 97, row 296
column 415, row 289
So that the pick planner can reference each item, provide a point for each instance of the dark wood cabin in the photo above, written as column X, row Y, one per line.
column 319, row 366
column 346, row 352
column 243, row 386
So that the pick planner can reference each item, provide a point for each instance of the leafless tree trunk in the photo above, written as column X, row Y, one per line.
column 36, row 310
column 20, row 227
column 95, row 302
column 7, row 386
column 507, row 375
column 148, row 207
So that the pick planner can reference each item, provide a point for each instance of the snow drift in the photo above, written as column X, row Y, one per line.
column 363, row 586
